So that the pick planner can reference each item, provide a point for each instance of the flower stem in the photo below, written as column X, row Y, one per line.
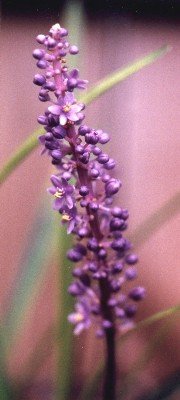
column 110, row 371
column 109, row 389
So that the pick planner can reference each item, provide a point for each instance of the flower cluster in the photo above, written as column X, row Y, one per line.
column 83, row 191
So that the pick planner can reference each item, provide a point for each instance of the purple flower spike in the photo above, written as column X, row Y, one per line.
column 83, row 191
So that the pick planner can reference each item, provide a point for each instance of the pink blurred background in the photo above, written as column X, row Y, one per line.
column 141, row 114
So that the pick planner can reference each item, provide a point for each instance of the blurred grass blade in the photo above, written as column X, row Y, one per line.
column 156, row 341
column 33, row 267
column 155, row 220
column 4, row 387
column 120, row 75
column 74, row 20
column 65, row 330
column 169, row 389
column 90, row 388
column 96, row 91
column 20, row 154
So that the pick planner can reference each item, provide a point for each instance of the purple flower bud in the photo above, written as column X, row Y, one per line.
column 83, row 191
column 117, row 267
column 66, row 175
column 137, row 293
column 62, row 53
column 120, row 313
column 118, row 244
column 105, row 178
column 83, row 129
column 82, row 249
column 42, row 120
column 92, row 267
column 76, row 289
column 42, row 64
column 51, row 43
column 74, row 255
column 99, row 275
column 93, row 206
column 130, row 310
column 79, row 149
column 92, row 244
column 102, row 254
column 84, row 158
column 48, row 136
column 72, row 83
column 116, row 212
column 83, row 203
column 94, row 173
column 125, row 214
column 112, row 302
column 50, row 145
column 83, row 232
column 59, row 132
column 56, row 154
column 73, row 49
column 115, row 285
column 103, row 137
column 110, row 164
column 131, row 259
column 49, row 57
column 44, row 94
column 50, row 86
column 112, row 187
column 103, row 158
column 39, row 80
column 97, row 151
column 77, row 272
column 91, row 137
column 63, row 32
column 131, row 273
column 38, row 54
column 107, row 324
column 116, row 224
column 41, row 39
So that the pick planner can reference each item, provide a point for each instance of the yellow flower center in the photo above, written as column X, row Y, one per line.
column 79, row 317
column 67, row 108
column 66, row 217
column 59, row 193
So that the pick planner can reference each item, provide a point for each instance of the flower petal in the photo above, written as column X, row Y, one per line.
column 62, row 119
column 71, row 226
column 74, row 73
column 79, row 328
column 69, row 201
column 58, row 204
column 54, row 109
column 56, row 181
column 51, row 190
column 69, row 98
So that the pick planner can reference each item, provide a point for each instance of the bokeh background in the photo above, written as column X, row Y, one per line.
column 142, row 116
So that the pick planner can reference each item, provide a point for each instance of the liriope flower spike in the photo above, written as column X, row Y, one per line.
column 83, row 191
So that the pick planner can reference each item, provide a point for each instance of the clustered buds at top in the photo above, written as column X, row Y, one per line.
column 83, row 192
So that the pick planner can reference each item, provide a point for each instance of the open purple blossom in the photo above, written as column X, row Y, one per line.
column 62, row 192
column 81, row 317
column 84, row 190
column 69, row 216
column 67, row 109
